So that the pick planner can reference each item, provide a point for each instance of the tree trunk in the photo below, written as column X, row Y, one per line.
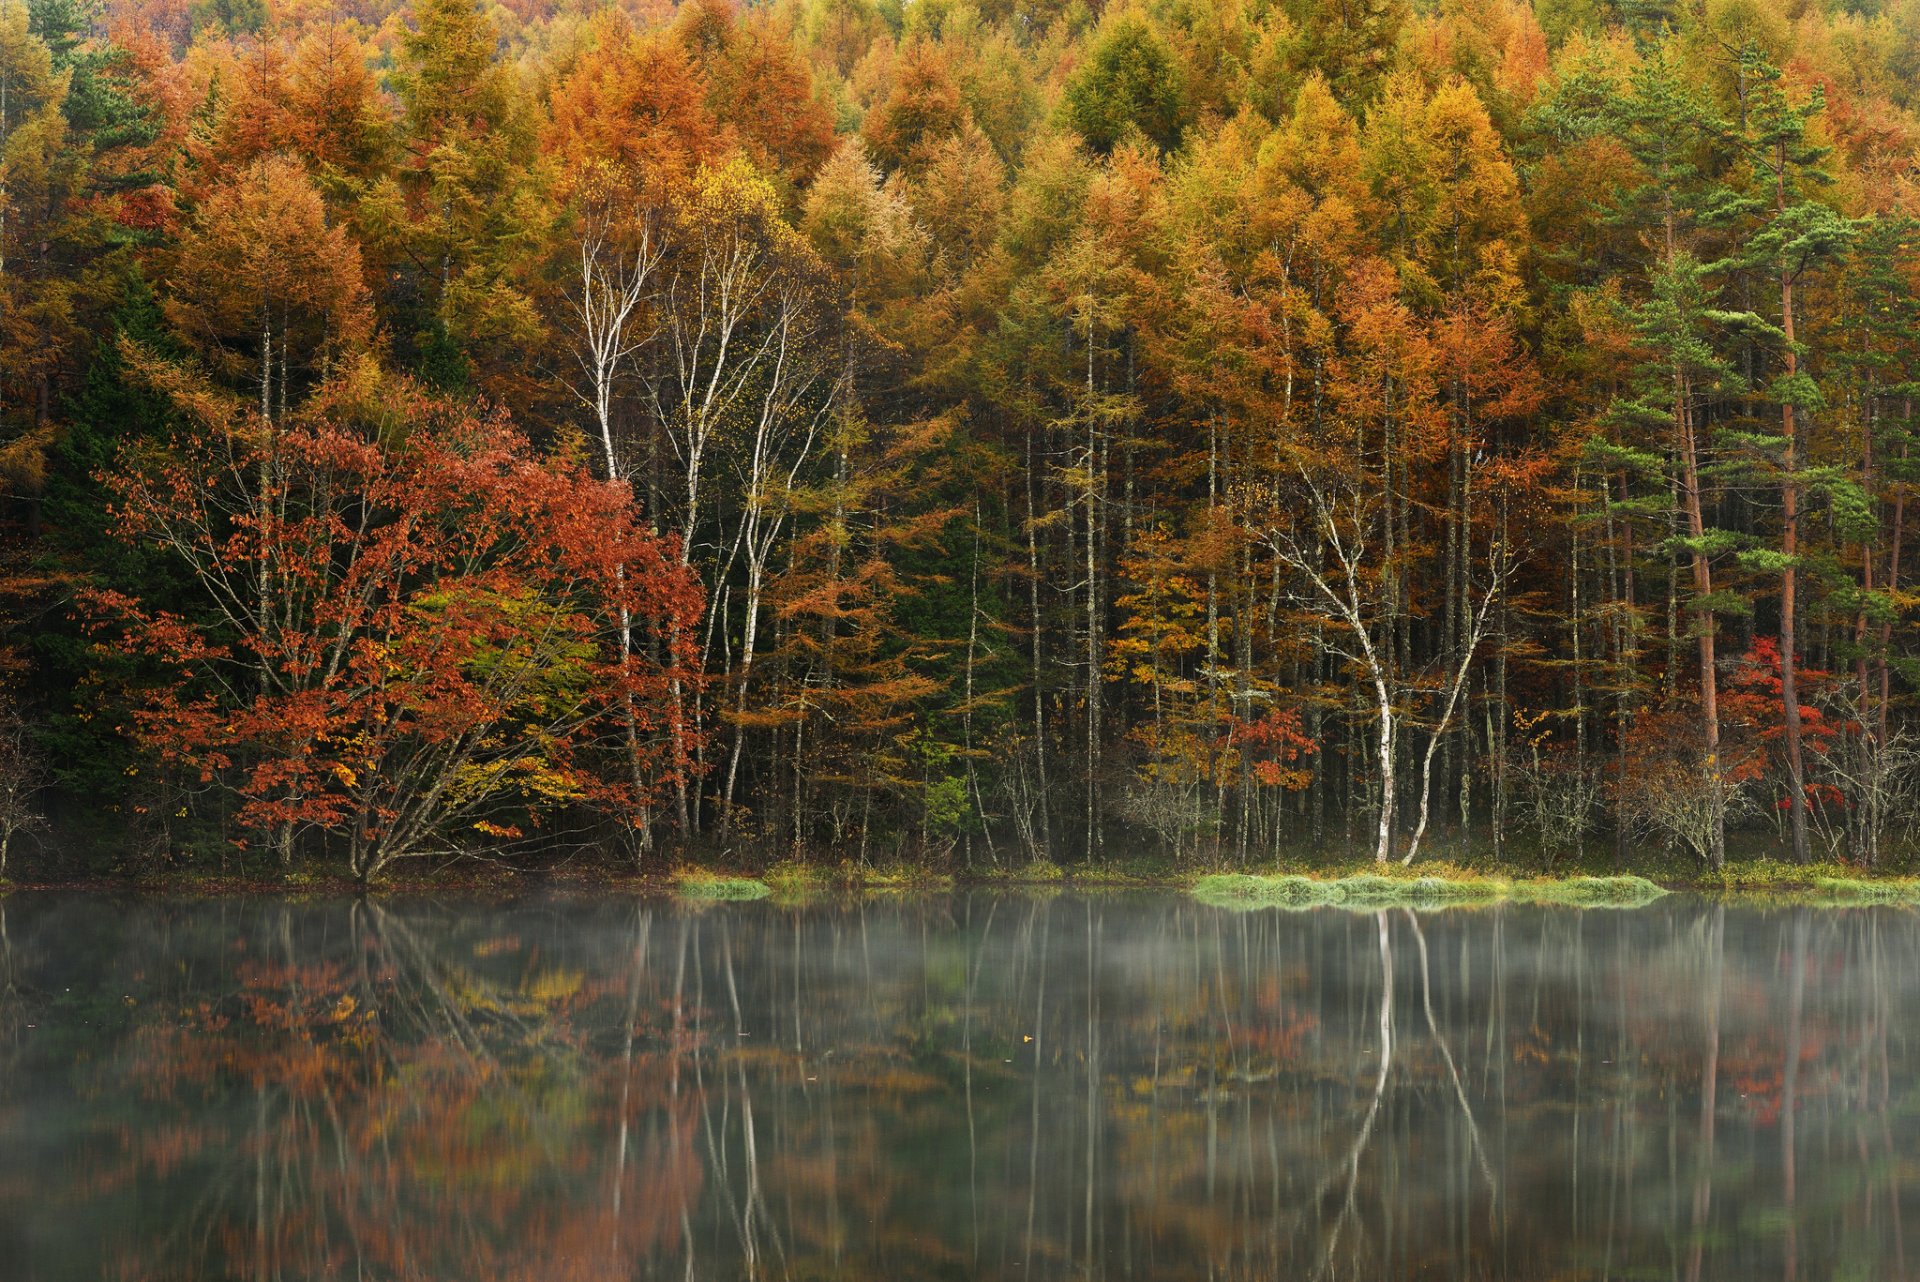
column 1039, row 691
column 1704, row 623
column 1789, row 577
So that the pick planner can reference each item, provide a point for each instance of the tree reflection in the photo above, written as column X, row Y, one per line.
column 972, row 1086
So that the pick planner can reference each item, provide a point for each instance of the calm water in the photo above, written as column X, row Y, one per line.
column 975, row 1086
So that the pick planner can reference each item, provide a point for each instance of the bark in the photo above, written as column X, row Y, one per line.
column 1789, row 576
column 1704, row 624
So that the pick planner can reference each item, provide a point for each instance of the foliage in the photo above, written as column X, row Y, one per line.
column 1161, row 431
column 398, row 642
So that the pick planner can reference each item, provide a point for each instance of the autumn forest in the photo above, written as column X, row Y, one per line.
column 958, row 433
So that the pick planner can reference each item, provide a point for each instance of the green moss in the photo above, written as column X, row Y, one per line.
column 1243, row 890
column 1591, row 892
column 790, row 876
column 710, row 887
column 1848, row 891
column 1037, row 872
column 1441, row 890
column 1372, row 891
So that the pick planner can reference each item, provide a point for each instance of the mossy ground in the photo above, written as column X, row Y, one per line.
column 794, row 881
column 1458, row 876
column 1588, row 892
column 697, row 884
column 1374, row 891
column 1034, row 872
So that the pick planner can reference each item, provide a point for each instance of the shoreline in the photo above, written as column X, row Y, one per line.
column 1353, row 885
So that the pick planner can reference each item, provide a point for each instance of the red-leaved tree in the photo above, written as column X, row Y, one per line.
column 405, row 628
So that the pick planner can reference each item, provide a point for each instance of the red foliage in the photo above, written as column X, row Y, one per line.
column 1276, row 748
column 405, row 633
column 1751, row 705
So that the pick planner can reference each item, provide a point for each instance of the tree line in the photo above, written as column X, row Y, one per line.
column 951, row 431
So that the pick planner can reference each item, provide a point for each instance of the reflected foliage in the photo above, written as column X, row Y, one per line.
column 970, row 1086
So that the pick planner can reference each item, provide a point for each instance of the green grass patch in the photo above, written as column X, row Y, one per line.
column 1034, row 872
column 899, row 877
column 1373, row 891
column 710, row 887
column 1819, row 885
column 790, row 876
column 1370, row 890
column 1441, row 890
column 1361, row 891
column 1848, row 892
column 1776, row 875
column 1244, row 890
column 1590, row 892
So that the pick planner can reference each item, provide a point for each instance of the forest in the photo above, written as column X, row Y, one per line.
column 957, row 433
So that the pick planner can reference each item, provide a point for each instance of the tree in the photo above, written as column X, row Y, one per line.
column 739, row 365
column 1680, row 326
column 759, row 86
column 1797, row 234
column 922, row 108
column 33, row 138
column 266, row 289
column 438, row 665
column 451, row 214
column 1130, row 82
column 1336, row 559
column 23, row 776
column 617, row 257
column 636, row 104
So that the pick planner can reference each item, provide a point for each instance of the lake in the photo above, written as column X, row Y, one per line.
column 973, row 1085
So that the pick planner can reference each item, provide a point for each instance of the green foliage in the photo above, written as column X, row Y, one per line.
column 1130, row 82
column 231, row 18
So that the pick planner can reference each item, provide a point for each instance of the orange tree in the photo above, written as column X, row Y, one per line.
column 407, row 640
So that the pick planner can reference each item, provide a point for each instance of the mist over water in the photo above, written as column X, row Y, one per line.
column 976, row 1085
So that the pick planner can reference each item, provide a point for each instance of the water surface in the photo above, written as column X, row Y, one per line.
column 969, row 1086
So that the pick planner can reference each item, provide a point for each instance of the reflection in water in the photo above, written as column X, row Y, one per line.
column 973, row 1086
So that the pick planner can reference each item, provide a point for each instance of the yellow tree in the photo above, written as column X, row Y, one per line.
column 265, row 289
column 33, row 302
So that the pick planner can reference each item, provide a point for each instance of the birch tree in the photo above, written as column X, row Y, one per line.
column 618, row 248
column 1341, row 578
column 738, row 367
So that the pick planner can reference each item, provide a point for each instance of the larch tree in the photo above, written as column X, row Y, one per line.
column 34, row 306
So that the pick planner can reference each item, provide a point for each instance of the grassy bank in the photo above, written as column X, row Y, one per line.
column 1294, row 883
column 1816, row 885
column 1369, row 891
column 710, row 887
